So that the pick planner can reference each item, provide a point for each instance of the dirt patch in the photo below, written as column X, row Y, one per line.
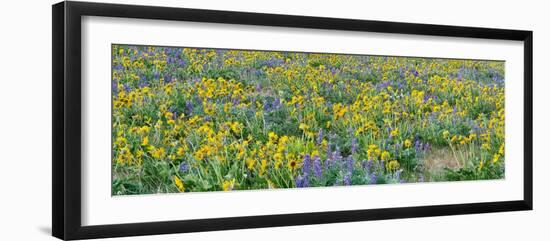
column 436, row 160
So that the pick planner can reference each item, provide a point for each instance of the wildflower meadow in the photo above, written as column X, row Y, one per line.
column 198, row 119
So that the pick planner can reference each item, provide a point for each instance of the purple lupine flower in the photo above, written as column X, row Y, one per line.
column 181, row 63
column 258, row 88
column 114, row 86
column 418, row 146
column 421, row 178
column 184, row 167
column 167, row 78
column 475, row 127
column 329, row 151
column 396, row 148
column 426, row 147
column 347, row 179
column 302, row 182
column 337, row 154
column 235, row 101
column 400, row 85
column 267, row 106
column 299, row 181
column 426, row 98
column 369, row 165
column 353, row 146
column 373, row 179
column 276, row 103
column 398, row 176
column 189, row 106
column 127, row 88
column 306, row 166
column 142, row 84
column 319, row 136
column 349, row 164
column 317, row 169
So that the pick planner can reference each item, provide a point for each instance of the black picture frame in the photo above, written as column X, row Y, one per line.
column 66, row 128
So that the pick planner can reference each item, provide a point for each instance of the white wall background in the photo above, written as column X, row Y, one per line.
column 25, row 119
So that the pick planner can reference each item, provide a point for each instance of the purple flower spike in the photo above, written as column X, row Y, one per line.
column 337, row 155
column 347, row 179
column 306, row 167
column 320, row 136
column 369, row 165
column 317, row 169
column 373, row 178
column 276, row 103
column 398, row 176
column 184, row 167
column 127, row 88
column 329, row 151
column 189, row 106
column 426, row 147
column 301, row 182
column 349, row 164
column 418, row 146
column 354, row 146
column 114, row 86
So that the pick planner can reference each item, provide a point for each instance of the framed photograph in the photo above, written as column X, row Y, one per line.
column 169, row 120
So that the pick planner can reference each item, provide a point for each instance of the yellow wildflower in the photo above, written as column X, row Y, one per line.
column 181, row 151
column 272, row 137
column 395, row 132
column 501, row 149
column 158, row 152
column 228, row 185
column 496, row 157
column 250, row 162
column 179, row 184
column 480, row 166
column 263, row 167
column 392, row 165
column 407, row 143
